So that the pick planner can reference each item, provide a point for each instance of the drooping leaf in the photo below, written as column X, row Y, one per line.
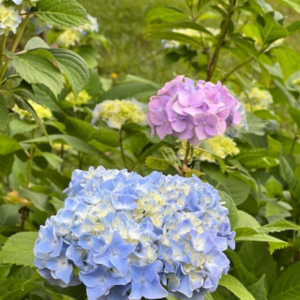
column 36, row 69
column 258, row 289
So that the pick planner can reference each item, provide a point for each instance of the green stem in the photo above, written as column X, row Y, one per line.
column 122, row 149
column 235, row 69
column 186, row 157
column 3, row 44
column 212, row 65
column 15, row 45
column 30, row 159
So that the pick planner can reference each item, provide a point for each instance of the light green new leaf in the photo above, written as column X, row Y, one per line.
column 54, row 160
column 236, row 287
column 278, row 226
column 36, row 69
column 62, row 13
column 19, row 249
column 287, row 287
column 4, row 271
column 3, row 114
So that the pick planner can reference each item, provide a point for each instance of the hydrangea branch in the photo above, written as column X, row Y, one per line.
column 122, row 148
column 212, row 65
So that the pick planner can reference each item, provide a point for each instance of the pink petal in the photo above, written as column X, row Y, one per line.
column 160, row 131
column 223, row 113
column 211, row 130
column 222, row 127
column 183, row 98
column 168, row 128
column 212, row 119
column 179, row 125
column 158, row 117
column 201, row 134
column 178, row 108
column 196, row 99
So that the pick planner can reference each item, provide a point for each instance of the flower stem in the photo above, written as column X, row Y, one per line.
column 3, row 44
column 15, row 45
column 122, row 148
column 186, row 157
column 213, row 63
column 294, row 143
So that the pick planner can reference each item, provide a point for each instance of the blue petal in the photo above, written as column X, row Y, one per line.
column 65, row 273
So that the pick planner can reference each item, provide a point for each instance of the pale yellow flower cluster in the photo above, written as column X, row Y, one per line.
column 118, row 112
column 82, row 99
column 9, row 20
column 221, row 146
column 41, row 111
column 71, row 36
column 296, row 81
column 257, row 99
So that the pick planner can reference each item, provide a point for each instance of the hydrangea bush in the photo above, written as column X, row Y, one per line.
column 209, row 163
column 131, row 236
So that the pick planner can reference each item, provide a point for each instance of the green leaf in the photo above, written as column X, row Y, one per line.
column 293, row 27
column 9, row 214
column 295, row 114
column 8, row 145
column 4, row 271
column 208, row 296
column 288, row 59
column 73, row 141
column 295, row 4
column 173, row 36
column 40, row 201
column 66, row 13
column 3, row 114
column 236, row 287
column 36, row 42
column 258, row 261
column 166, row 14
column 232, row 210
column 19, row 249
column 54, row 160
column 58, row 204
column 22, row 103
column 287, row 173
column 73, row 67
column 181, row 25
column 246, row 220
column 157, row 163
column 278, row 226
column 287, row 287
column 89, row 54
column 36, row 69
column 274, row 187
column 169, row 155
column 258, row 289
column 18, row 126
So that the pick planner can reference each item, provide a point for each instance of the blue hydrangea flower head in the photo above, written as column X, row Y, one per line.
column 134, row 237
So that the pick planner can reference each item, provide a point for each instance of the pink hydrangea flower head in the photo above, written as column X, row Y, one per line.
column 192, row 112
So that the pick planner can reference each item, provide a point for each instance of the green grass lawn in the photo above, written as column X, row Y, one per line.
column 123, row 23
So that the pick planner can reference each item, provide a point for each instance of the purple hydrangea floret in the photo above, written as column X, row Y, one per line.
column 125, row 236
column 192, row 112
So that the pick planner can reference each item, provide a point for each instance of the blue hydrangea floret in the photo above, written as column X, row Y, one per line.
column 125, row 236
